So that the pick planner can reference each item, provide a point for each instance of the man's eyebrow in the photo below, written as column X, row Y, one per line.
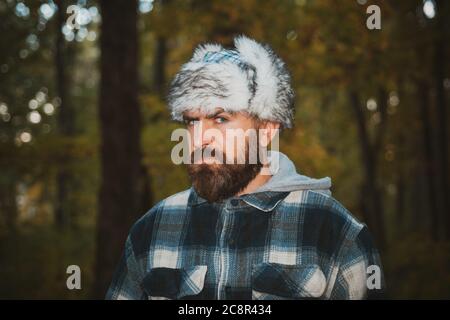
column 209, row 116
column 217, row 113
column 186, row 117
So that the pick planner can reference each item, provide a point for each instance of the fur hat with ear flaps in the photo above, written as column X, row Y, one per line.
column 249, row 77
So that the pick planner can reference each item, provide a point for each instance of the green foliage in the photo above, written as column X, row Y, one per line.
column 417, row 267
column 34, row 263
column 166, row 177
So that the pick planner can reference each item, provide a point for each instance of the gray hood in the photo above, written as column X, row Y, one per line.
column 285, row 177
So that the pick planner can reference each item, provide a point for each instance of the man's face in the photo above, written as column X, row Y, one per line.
column 214, row 143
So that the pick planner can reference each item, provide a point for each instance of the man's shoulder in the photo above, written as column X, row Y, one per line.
column 177, row 200
column 143, row 227
column 323, row 211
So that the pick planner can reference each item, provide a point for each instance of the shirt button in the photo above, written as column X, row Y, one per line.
column 234, row 202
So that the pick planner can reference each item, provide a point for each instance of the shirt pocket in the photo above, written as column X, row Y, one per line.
column 170, row 283
column 279, row 281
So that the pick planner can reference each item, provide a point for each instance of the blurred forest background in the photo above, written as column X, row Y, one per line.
column 85, row 134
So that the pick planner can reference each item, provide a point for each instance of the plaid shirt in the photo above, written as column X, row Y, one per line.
column 269, row 245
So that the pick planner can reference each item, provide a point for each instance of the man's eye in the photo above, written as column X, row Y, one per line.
column 189, row 122
column 220, row 120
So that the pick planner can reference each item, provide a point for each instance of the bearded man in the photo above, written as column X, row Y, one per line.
column 250, row 227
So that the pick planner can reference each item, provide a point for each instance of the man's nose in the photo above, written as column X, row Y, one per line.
column 201, row 136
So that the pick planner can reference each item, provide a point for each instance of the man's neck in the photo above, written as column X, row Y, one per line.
column 257, row 182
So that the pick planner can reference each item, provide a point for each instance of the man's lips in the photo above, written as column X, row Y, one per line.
column 208, row 160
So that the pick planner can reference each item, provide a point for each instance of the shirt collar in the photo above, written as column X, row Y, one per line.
column 264, row 201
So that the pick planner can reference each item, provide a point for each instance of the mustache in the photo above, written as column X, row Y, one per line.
column 209, row 152
column 221, row 157
column 216, row 183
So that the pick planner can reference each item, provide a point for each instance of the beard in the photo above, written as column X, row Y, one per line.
column 220, row 181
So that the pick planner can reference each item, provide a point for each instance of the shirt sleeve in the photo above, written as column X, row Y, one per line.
column 127, row 279
column 360, row 274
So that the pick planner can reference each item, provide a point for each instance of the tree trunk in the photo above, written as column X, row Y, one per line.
column 159, row 84
column 159, row 78
column 66, row 122
column 120, row 136
column 440, row 60
column 8, row 204
column 371, row 199
column 429, row 162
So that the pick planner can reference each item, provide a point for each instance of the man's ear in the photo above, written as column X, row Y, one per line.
column 270, row 129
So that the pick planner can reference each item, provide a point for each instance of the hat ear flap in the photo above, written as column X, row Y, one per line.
column 262, row 58
column 253, row 52
column 274, row 96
